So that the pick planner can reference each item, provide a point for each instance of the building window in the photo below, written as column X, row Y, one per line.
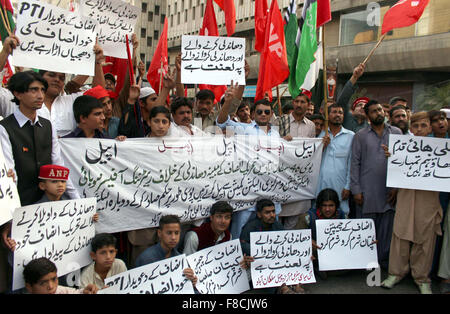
column 193, row 13
column 163, row 18
column 149, row 41
column 156, row 9
column 144, row 7
column 150, row 17
column 143, row 32
column 171, row 20
column 156, row 34
column 185, row 16
column 178, row 18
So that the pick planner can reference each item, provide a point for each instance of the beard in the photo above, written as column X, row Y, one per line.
column 378, row 120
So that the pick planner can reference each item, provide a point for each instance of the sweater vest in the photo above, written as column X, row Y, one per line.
column 206, row 236
column 31, row 148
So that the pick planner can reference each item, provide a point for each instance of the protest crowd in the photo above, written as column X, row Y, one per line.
column 48, row 116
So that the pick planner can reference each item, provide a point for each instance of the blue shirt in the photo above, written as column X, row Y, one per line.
column 154, row 254
column 335, row 166
column 113, row 128
column 247, row 128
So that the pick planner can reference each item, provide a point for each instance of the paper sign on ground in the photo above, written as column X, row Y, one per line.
column 212, row 60
column 60, row 231
column 54, row 39
column 346, row 244
column 164, row 277
column 218, row 270
column 281, row 257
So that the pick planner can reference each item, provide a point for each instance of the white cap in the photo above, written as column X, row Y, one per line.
column 146, row 91
column 447, row 112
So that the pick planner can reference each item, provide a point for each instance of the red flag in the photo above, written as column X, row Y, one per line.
column 118, row 68
column 229, row 9
column 403, row 13
column 273, row 65
column 260, row 23
column 209, row 27
column 323, row 12
column 160, row 57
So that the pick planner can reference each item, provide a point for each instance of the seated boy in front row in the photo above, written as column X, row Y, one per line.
column 41, row 278
column 103, row 253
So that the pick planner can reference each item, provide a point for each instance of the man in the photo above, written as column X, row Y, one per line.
column 205, row 115
column 57, row 106
column 439, row 124
column 309, row 110
column 181, row 109
column 296, row 125
column 88, row 112
column 265, row 221
column 387, row 108
column 399, row 118
column 399, row 101
column 368, row 177
column 243, row 113
column 110, row 82
column 169, row 231
column 210, row 233
column 336, row 158
column 28, row 140
column 319, row 122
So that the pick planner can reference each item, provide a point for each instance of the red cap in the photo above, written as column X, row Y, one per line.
column 54, row 172
column 307, row 93
column 364, row 100
column 97, row 92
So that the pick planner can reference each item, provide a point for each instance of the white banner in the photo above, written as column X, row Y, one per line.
column 212, row 60
column 346, row 244
column 115, row 20
column 138, row 180
column 419, row 163
column 60, row 231
column 9, row 197
column 281, row 257
column 54, row 39
column 164, row 277
column 218, row 270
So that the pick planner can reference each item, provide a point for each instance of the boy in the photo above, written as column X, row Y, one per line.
column 88, row 112
column 53, row 180
column 416, row 224
column 169, row 231
column 105, row 263
column 41, row 278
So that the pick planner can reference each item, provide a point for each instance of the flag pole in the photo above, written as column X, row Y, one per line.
column 279, row 100
column 5, row 21
column 160, row 77
column 325, row 87
column 374, row 48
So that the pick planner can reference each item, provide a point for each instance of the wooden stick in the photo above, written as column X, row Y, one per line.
column 285, row 90
column 374, row 48
column 279, row 100
column 161, row 77
column 325, row 85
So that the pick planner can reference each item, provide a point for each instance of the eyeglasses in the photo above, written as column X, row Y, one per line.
column 266, row 112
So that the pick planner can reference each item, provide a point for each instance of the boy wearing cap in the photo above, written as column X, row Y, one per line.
column 53, row 180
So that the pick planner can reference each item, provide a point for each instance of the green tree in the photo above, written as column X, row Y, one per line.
column 434, row 97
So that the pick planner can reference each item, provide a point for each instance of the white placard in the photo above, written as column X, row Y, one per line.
column 218, row 270
column 115, row 20
column 164, row 277
column 9, row 197
column 281, row 257
column 346, row 244
column 137, row 180
column 212, row 60
column 60, row 231
column 419, row 163
column 54, row 39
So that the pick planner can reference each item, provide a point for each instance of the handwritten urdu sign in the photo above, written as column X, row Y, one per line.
column 346, row 244
column 9, row 197
column 212, row 60
column 115, row 19
column 54, row 39
column 60, row 231
column 281, row 257
column 164, row 277
column 218, row 270
column 420, row 163
column 185, row 176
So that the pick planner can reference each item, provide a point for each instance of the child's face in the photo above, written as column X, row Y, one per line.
column 105, row 256
column 421, row 127
column 46, row 285
column 55, row 188
column 328, row 209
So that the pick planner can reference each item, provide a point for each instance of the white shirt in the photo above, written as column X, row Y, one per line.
column 89, row 276
column 182, row 131
column 56, row 150
column 61, row 115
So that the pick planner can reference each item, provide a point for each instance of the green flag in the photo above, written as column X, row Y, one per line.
column 7, row 11
column 291, row 32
